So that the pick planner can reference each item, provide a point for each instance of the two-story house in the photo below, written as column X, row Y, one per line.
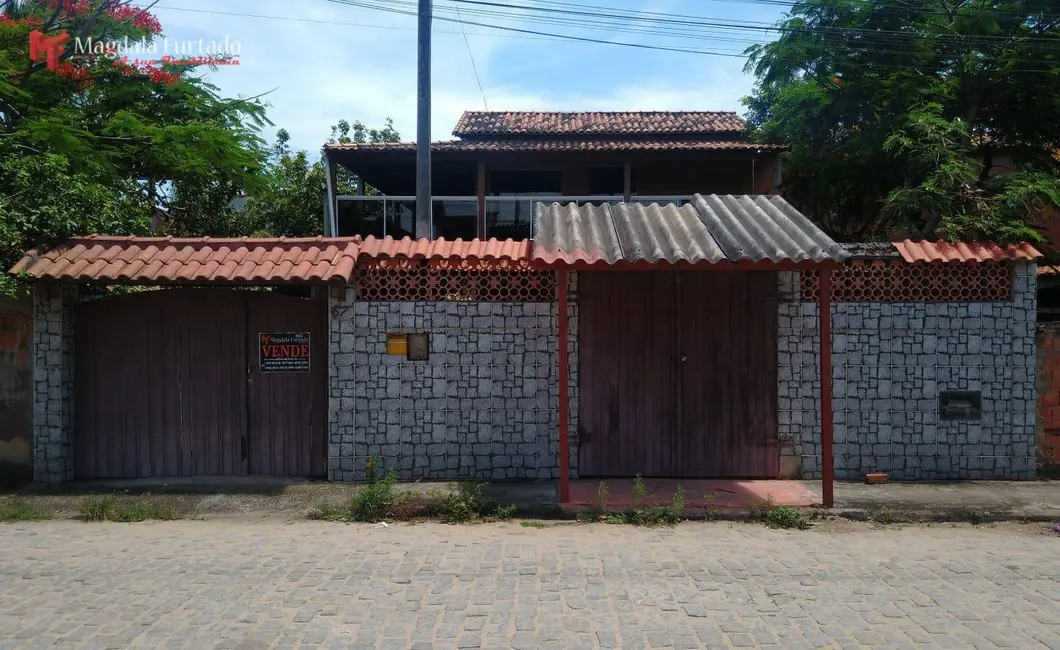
column 486, row 182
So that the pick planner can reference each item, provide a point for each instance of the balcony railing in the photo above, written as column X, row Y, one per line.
column 506, row 217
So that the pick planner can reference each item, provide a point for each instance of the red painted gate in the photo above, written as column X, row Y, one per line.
column 169, row 383
column 678, row 374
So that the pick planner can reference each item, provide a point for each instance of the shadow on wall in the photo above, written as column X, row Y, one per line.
column 16, row 383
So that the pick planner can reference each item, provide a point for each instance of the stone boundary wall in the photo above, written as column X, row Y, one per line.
column 889, row 363
column 53, row 382
column 484, row 406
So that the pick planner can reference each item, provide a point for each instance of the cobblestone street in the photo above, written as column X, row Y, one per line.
column 245, row 583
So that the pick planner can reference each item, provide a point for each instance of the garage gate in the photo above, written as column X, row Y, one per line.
column 199, row 382
column 678, row 374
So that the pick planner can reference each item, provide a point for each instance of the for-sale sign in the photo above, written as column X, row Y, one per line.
column 283, row 352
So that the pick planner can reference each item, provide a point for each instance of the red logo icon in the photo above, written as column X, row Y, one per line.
column 47, row 47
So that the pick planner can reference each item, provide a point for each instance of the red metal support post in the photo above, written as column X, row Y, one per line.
column 564, row 389
column 824, row 307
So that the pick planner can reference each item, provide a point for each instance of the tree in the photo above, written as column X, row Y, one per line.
column 291, row 200
column 98, row 143
column 896, row 114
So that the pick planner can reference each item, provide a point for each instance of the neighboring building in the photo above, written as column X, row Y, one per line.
column 486, row 183
column 674, row 334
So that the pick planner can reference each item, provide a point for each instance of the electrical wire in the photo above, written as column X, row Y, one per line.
column 367, row 4
column 474, row 68
column 528, row 34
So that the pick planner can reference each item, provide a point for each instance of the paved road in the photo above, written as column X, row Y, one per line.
column 256, row 584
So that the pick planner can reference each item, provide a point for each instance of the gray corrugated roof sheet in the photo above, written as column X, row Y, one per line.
column 708, row 228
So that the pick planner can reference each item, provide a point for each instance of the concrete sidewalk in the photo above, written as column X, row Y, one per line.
column 948, row 501
column 263, row 496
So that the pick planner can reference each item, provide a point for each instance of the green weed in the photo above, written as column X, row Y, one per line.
column 640, row 490
column 20, row 510
column 98, row 507
column 112, row 507
column 776, row 516
column 462, row 505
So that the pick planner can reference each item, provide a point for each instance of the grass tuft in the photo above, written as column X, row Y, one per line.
column 112, row 507
column 774, row 516
column 12, row 510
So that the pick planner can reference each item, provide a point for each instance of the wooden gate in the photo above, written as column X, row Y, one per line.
column 168, row 383
column 678, row 374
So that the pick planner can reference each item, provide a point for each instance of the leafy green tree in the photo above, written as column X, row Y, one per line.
column 99, row 143
column 898, row 114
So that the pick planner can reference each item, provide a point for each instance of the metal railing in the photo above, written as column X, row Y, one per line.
column 457, row 216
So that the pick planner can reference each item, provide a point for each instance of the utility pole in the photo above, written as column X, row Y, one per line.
column 424, row 220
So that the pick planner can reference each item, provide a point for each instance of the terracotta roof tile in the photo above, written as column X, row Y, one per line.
column 439, row 249
column 478, row 123
column 926, row 251
column 654, row 144
column 166, row 260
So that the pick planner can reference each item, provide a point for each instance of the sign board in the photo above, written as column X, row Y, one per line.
column 283, row 352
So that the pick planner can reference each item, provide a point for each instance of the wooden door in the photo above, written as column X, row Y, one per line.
column 287, row 396
column 677, row 374
column 626, row 412
column 159, row 385
column 727, row 329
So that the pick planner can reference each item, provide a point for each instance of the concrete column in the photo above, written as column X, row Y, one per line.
column 53, row 382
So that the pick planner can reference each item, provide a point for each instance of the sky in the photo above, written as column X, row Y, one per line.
column 320, row 61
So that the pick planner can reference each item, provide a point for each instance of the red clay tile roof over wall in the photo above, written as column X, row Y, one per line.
column 204, row 260
column 441, row 249
column 209, row 260
column 558, row 145
column 501, row 123
column 925, row 251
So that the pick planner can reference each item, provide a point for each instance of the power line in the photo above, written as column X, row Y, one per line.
column 527, row 34
column 860, row 50
column 541, row 37
column 474, row 68
column 592, row 11
column 371, row 25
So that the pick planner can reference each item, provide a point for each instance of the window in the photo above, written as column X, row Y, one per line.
column 510, row 218
column 511, row 182
column 606, row 181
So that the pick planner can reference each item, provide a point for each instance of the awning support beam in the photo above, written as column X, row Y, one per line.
column 564, row 389
column 824, row 309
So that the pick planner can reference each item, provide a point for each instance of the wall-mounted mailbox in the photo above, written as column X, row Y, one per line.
column 419, row 347
column 397, row 345
column 960, row 405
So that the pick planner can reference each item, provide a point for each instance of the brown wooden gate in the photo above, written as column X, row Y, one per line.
column 678, row 374
column 167, row 383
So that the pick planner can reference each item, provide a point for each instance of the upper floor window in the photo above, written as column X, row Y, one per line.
column 606, row 181
column 513, row 182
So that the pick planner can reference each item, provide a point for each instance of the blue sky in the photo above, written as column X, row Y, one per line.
column 323, row 71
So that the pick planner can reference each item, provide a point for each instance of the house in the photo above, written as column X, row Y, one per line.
column 688, row 332
column 486, row 182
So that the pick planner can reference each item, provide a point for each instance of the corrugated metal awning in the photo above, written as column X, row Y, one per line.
column 709, row 229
